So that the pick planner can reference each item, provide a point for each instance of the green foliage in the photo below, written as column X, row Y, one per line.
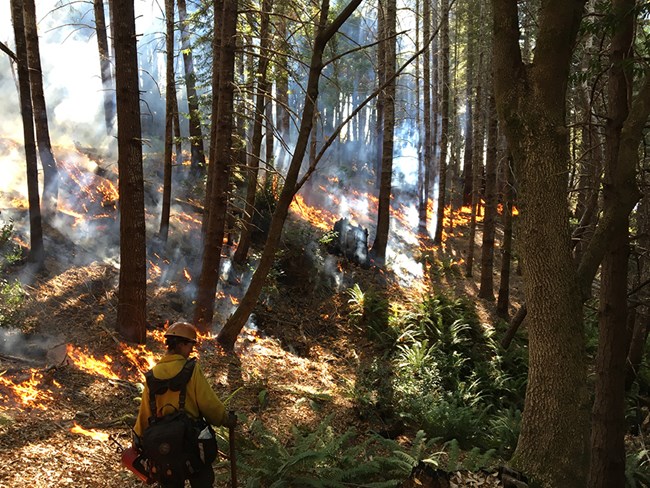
column 12, row 296
column 369, row 311
column 323, row 458
column 10, row 253
column 637, row 468
column 444, row 373
column 471, row 460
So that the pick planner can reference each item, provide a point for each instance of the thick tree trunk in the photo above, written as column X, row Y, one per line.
column 132, row 294
column 50, row 171
column 36, row 251
column 221, row 155
column 105, row 65
column 553, row 443
column 228, row 335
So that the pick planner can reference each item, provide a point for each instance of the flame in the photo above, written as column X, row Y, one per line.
column 187, row 275
column 95, row 434
column 234, row 300
column 30, row 393
column 90, row 364
column 142, row 359
column 319, row 218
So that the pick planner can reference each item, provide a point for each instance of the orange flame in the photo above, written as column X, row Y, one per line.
column 321, row 219
column 30, row 392
column 187, row 275
column 95, row 434
column 90, row 364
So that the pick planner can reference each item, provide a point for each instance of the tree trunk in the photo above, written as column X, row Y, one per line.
column 444, row 123
column 423, row 200
column 132, row 294
column 221, row 155
column 36, row 249
column 553, row 443
column 50, row 171
column 608, row 420
column 170, row 95
column 385, row 188
column 105, row 65
column 228, row 335
column 381, row 78
column 642, row 316
column 263, row 87
column 469, row 117
column 477, row 168
column 503, row 299
column 489, row 221
column 196, row 134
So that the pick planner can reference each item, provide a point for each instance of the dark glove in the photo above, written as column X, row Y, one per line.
column 231, row 420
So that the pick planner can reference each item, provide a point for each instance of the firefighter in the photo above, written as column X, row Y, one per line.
column 201, row 401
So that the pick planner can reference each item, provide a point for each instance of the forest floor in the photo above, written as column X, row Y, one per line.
column 294, row 368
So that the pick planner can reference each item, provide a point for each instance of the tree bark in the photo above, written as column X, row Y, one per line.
column 607, row 466
column 221, row 155
column 36, row 249
column 423, row 195
column 503, row 298
column 444, row 123
column 105, row 65
column 196, row 134
column 170, row 95
column 553, row 443
column 489, row 220
column 228, row 335
column 252, row 170
column 385, row 188
column 132, row 294
column 50, row 171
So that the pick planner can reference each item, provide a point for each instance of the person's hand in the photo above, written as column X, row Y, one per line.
column 231, row 420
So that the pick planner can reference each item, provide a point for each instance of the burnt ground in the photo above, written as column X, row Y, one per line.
column 303, row 353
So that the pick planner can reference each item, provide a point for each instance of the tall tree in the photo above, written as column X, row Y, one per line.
column 221, row 155
column 531, row 104
column 444, row 122
column 170, row 97
column 623, row 132
column 489, row 221
column 196, row 134
column 423, row 194
column 132, row 294
column 228, row 334
column 36, row 249
column 263, row 87
column 385, row 188
column 50, row 171
column 105, row 65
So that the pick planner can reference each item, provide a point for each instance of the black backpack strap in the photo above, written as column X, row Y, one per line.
column 177, row 383
column 186, row 375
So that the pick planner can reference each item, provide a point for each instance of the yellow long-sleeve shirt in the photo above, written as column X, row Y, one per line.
column 200, row 399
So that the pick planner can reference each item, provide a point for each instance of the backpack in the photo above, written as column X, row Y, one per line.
column 171, row 443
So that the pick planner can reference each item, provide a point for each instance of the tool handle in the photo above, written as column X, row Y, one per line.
column 233, row 458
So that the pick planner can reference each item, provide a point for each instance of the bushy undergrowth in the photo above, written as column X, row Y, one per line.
column 11, row 292
column 324, row 458
column 443, row 371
